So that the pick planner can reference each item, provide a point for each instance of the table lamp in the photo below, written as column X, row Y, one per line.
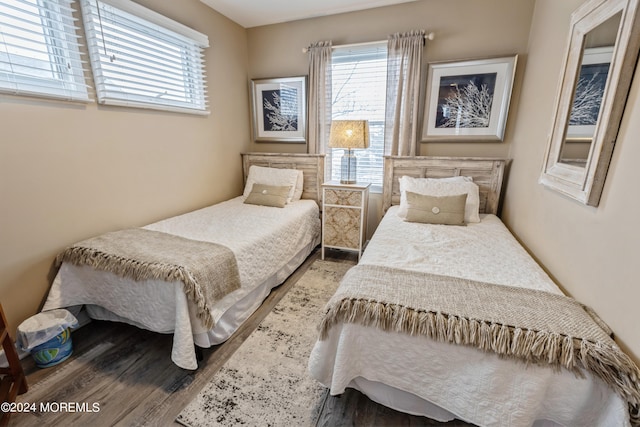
column 349, row 134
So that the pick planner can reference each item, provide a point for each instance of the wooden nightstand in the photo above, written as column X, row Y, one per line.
column 344, row 216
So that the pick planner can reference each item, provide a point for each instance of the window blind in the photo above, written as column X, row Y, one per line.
column 143, row 59
column 359, row 79
column 40, row 50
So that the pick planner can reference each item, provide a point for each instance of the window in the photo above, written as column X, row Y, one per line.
column 359, row 81
column 39, row 53
column 143, row 59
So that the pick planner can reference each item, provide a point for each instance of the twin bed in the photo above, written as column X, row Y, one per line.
column 427, row 323
column 268, row 244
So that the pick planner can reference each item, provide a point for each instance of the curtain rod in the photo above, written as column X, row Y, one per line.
column 429, row 36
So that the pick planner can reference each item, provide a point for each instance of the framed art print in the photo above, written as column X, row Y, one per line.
column 587, row 98
column 279, row 109
column 468, row 100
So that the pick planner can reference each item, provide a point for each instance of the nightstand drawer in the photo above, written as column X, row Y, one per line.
column 342, row 197
column 342, row 227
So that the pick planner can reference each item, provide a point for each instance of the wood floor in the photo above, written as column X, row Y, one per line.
column 128, row 373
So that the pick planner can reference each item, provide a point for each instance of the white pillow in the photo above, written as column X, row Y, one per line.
column 450, row 179
column 297, row 194
column 442, row 187
column 274, row 176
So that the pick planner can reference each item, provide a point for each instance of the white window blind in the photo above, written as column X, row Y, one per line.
column 359, row 79
column 143, row 59
column 39, row 50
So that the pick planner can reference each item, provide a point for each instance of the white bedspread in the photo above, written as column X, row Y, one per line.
column 265, row 240
column 445, row 381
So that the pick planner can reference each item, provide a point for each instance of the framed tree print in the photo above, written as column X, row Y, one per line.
column 587, row 98
column 468, row 100
column 279, row 109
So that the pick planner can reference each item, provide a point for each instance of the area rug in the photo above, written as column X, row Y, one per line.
column 266, row 382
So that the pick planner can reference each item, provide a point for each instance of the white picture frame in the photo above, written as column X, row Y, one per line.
column 279, row 109
column 468, row 100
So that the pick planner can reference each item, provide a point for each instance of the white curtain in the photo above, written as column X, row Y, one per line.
column 319, row 97
column 404, row 65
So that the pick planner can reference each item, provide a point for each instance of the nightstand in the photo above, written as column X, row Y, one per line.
column 344, row 216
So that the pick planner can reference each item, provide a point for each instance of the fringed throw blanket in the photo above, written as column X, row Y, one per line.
column 209, row 271
column 526, row 324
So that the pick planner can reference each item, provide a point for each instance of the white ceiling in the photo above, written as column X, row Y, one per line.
column 253, row 13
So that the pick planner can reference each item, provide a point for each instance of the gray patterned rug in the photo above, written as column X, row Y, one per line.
column 266, row 380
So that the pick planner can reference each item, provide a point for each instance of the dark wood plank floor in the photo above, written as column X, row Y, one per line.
column 129, row 373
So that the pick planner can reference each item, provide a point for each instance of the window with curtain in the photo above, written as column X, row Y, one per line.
column 143, row 59
column 39, row 50
column 359, row 75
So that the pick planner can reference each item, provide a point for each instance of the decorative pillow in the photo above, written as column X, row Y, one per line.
column 447, row 210
column 268, row 195
column 273, row 176
column 442, row 187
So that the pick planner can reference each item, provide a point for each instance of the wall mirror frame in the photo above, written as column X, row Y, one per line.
column 583, row 179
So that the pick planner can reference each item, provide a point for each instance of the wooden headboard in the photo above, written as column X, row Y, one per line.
column 312, row 166
column 488, row 173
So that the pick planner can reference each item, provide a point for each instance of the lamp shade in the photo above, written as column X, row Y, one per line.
column 349, row 134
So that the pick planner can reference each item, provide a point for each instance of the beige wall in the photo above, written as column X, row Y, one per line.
column 71, row 171
column 591, row 252
column 463, row 29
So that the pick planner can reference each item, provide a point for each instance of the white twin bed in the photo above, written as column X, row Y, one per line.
column 419, row 375
column 269, row 243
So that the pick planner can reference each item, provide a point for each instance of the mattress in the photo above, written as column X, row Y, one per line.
column 444, row 381
column 268, row 243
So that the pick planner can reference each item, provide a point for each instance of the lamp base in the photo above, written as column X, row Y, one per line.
column 348, row 168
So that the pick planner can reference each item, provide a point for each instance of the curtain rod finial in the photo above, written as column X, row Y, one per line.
column 430, row 36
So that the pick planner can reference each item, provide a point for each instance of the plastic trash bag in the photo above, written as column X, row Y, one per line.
column 44, row 326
